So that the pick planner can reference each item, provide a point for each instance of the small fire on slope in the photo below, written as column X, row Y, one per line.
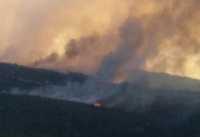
column 98, row 104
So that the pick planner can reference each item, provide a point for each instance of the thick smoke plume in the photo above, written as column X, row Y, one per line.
column 107, row 38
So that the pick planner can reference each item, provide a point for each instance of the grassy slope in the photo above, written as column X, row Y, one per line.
column 15, row 76
column 23, row 116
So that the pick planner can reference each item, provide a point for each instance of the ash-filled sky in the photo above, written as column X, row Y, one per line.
column 108, row 38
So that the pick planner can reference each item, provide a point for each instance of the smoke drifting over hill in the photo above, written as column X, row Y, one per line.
column 108, row 38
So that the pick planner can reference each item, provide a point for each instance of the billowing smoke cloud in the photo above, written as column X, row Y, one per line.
column 129, row 46
column 108, row 38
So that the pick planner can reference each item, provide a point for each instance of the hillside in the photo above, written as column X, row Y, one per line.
column 16, row 76
column 25, row 116
column 140, row 90
column 163, row 81
column 141, row 98
column 134, row 108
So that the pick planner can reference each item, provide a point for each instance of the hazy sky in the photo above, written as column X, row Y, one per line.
column 91, row 36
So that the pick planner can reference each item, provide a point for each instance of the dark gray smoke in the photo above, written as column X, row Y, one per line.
column 131, row 35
